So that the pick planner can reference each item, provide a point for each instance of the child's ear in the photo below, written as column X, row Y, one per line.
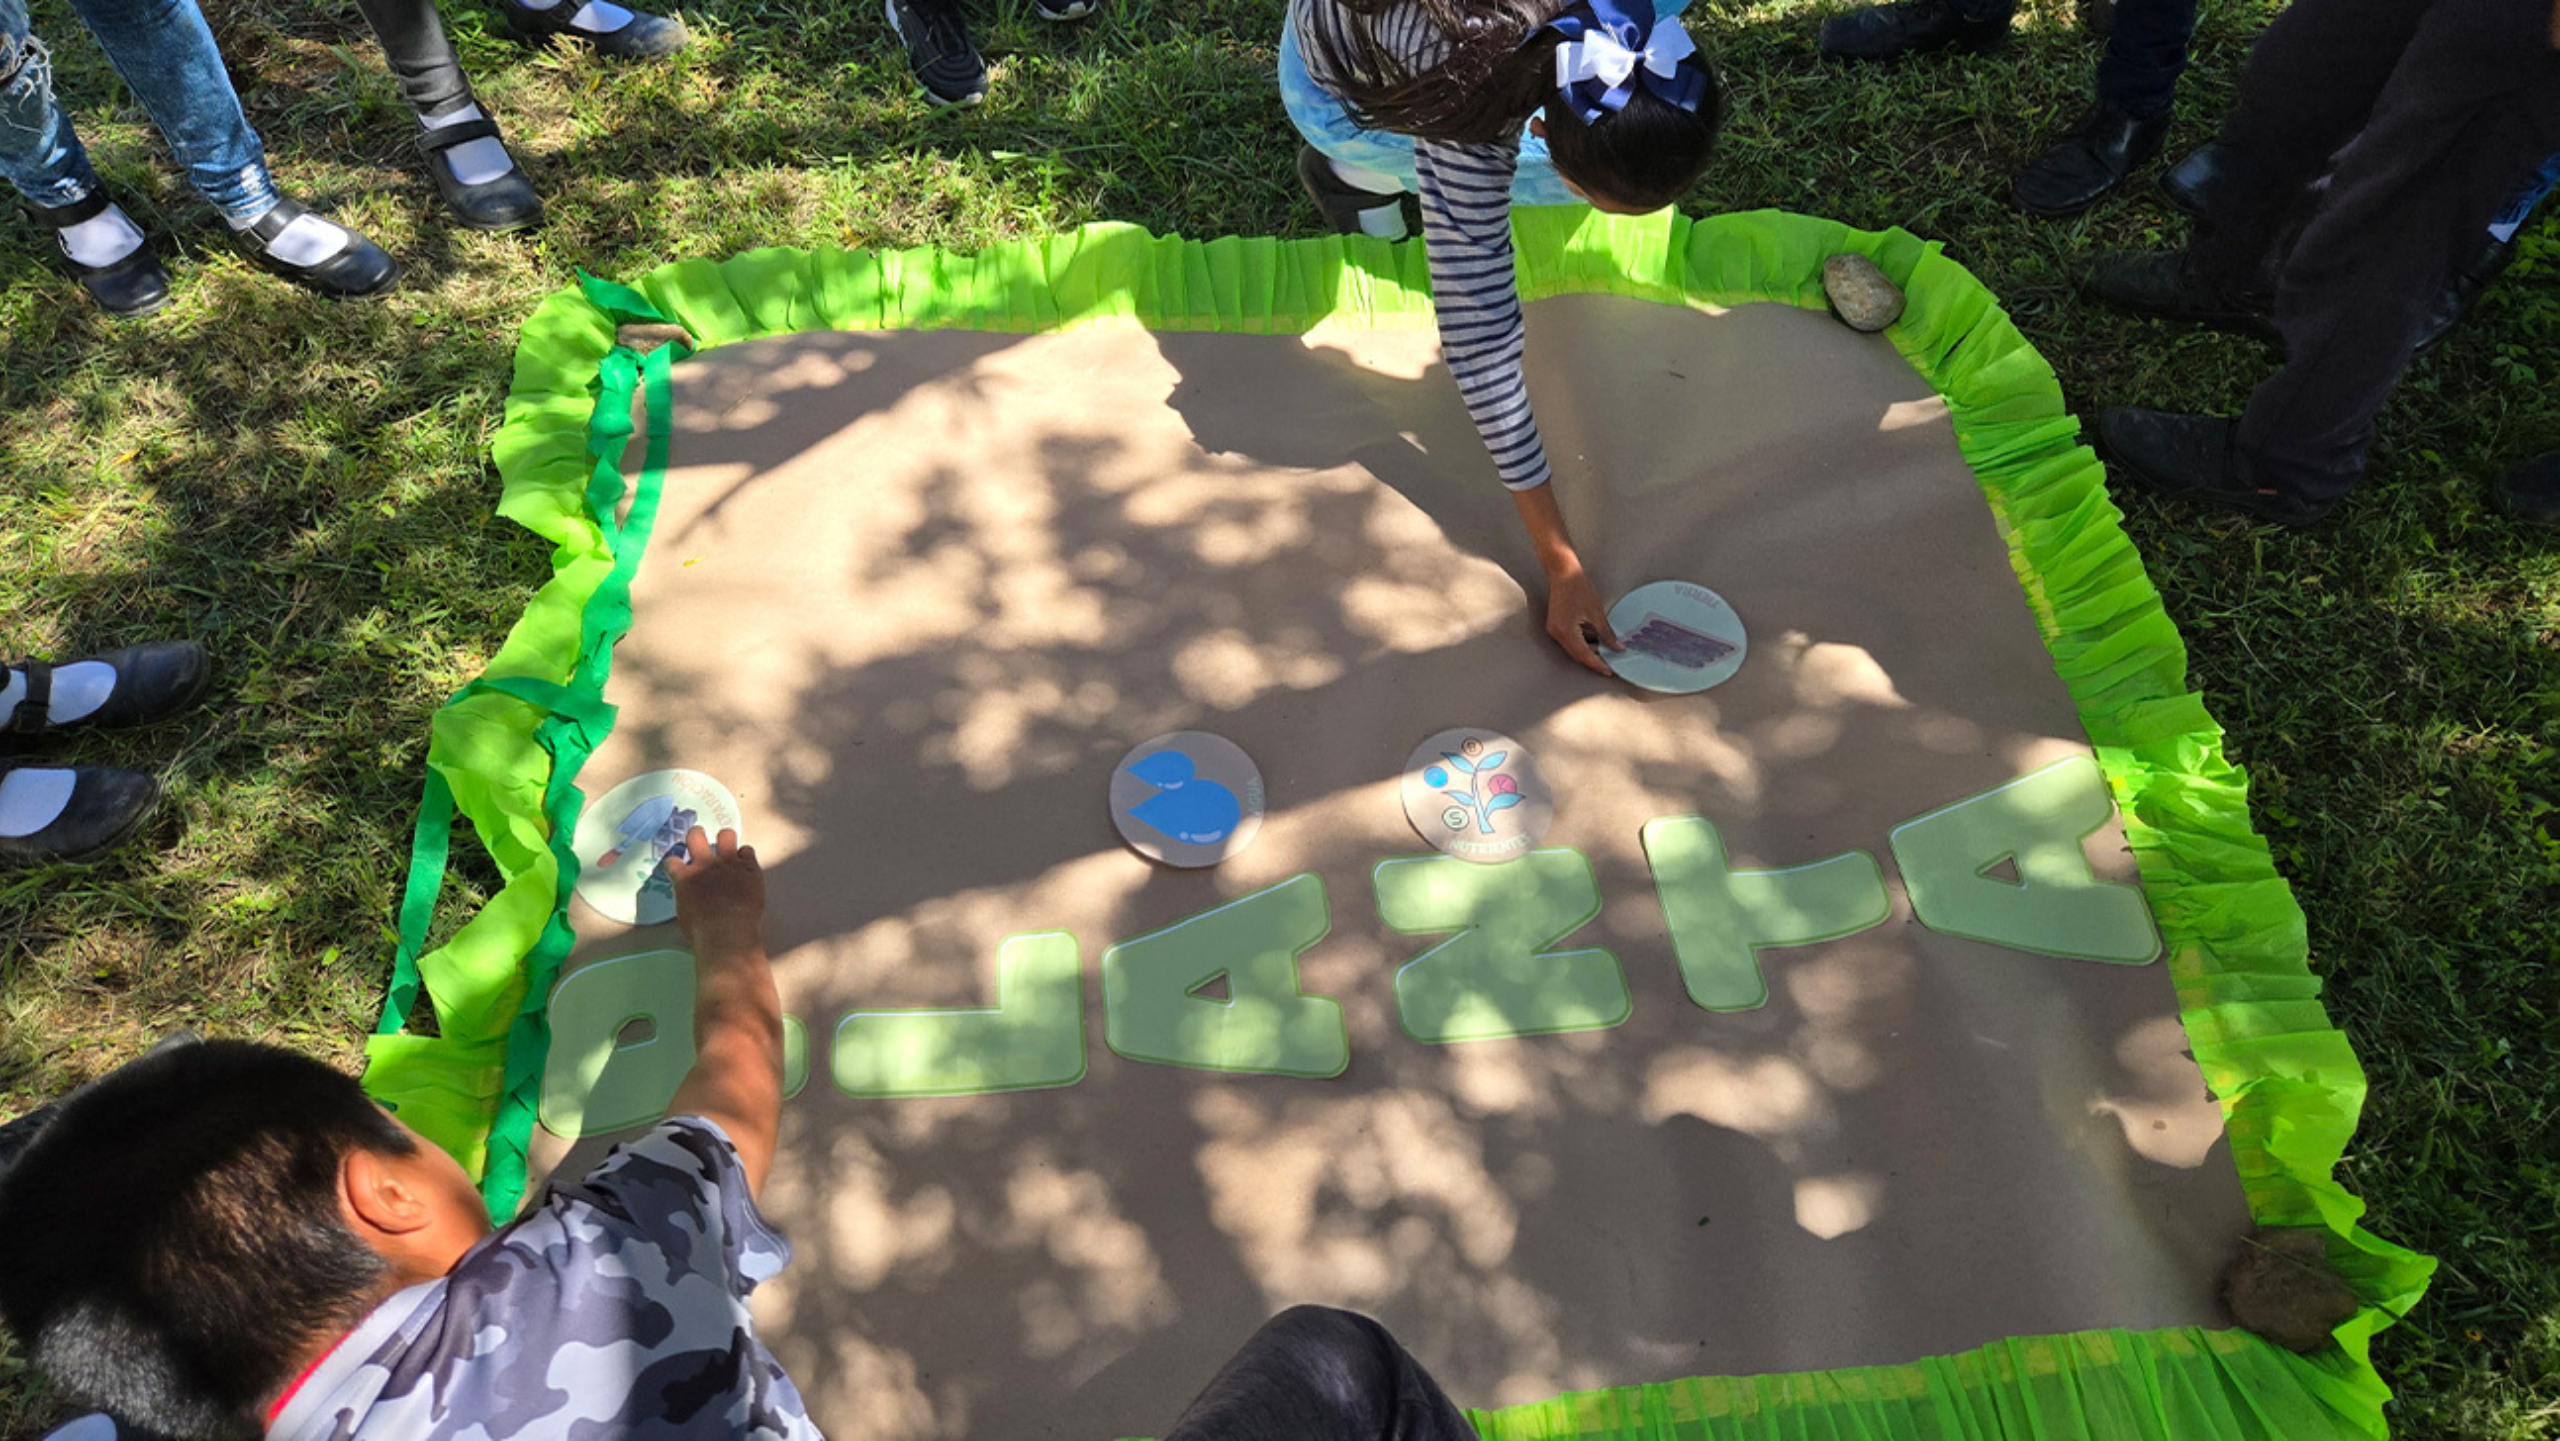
column 377, row 1197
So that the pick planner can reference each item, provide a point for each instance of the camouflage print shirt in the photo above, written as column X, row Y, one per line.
column 619, row 1309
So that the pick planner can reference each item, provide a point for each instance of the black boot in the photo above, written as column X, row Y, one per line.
column 2091, row 158
column 2476, row 275
column 2194, row 458
column 154, row 680
column 135, row 285
column 506, row 203
column 645, row 37
column 105, row 809
column 2162, row 285
column 2531, row 492
column 2189, row 183
column 1911, row 27
column 359, row 270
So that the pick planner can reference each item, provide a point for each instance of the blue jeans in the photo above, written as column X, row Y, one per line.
column 165, row 53
column 1326, row 125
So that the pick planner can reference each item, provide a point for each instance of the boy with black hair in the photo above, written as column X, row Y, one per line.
column 226, row 1239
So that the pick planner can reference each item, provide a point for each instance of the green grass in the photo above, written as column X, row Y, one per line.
column 307, row 488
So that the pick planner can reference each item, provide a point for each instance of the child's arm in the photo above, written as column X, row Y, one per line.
column 736, row 1079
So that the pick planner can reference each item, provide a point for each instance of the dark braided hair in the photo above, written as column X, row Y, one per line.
column 1497, row 68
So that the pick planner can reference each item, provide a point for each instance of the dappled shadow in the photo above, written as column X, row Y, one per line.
column 915, row 645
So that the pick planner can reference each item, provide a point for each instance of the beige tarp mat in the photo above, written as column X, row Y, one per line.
column 911, row 597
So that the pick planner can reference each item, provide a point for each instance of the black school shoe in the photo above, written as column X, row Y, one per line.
column 2091, row 158
column 2195, row 458
column 643, row 37
column 1910, row 27
column 1058, row 12
column 506, row 203
column 359, row 270
column 134, row 285
column 939, row 50
column 1342, row 204
column 2162, row 285
column 2189, row 184
column 154, row 680
column 106, row 808
column 2531, row 492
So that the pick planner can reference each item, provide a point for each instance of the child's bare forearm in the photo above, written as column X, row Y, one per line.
column 736, row 1078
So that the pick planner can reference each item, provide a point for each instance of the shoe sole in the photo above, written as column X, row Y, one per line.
column 139, row 311
column 301, row 280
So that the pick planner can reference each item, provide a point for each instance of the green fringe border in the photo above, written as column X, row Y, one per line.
column 2289, row 1083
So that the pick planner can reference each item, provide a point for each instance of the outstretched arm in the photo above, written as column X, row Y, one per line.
column 736, row 1080
column 1466, row 232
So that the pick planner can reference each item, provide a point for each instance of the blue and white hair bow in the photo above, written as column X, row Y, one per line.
column 1612, row 46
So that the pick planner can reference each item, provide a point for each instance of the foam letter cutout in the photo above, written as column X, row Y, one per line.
column 2057, row 906
column 1494, row 977
column 1153, row 1009
column 593, row 1082
column 1720, row 918
column 1033, row 1036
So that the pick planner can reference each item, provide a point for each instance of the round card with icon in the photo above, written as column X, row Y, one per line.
column 1680, row 638
column 1477, row 795
column 626, row 837
column 1187, row 799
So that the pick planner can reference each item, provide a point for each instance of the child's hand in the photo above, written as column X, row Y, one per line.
column 719, row 891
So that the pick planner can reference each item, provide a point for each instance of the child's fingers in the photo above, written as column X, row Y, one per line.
column 729, row 847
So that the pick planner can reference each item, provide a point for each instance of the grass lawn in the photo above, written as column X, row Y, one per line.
column 307, row 488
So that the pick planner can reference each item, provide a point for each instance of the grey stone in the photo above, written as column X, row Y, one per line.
column 1862, row 295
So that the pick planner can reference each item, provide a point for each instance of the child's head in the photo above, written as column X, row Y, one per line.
column 1635, row 128
column 1630, row 147
column 184, row 1234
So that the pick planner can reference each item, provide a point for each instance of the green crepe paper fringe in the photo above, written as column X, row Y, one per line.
column 2289, row 1084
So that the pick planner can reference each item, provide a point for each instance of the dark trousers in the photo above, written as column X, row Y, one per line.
column 1316, row 1374
column 2146, row 52
column 2422, row 115
column 422, row 60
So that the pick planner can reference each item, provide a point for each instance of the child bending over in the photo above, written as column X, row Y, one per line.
column 1430, row 95
column 226, row 1239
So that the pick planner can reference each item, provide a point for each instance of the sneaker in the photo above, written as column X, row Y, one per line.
column 1910, row 27
column 641, row 37
column 938, row 50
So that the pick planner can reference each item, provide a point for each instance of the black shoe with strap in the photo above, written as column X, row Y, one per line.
column 642, row 37
column 104, row 810
column 507, row 202
column 1911, row 27
column 154, row 680
column 2091, row 158
column 1344, row 204
column 357, row 270
column 2197, row 459
column 133, row 285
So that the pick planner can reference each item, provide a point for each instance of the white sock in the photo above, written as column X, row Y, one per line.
column 103, row 238
column 596, row 17
column 306, row 242
column 30, row 800
column 474, row 162
column 1361, row 177
column 1386, row 222
column 78, row 689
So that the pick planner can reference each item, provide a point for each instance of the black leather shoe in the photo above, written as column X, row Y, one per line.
column 135, row 285
column 643, row 37
column 2091, row 158
column 2531, row 492
column 154, row 680
column 2160, row 284
column 1910, row 27
column 1342, row 204
column 2189, row 183
column 358, row 271
column 2194, row 458
column 106, row 808
column 2476, row 275
column 506, row 203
